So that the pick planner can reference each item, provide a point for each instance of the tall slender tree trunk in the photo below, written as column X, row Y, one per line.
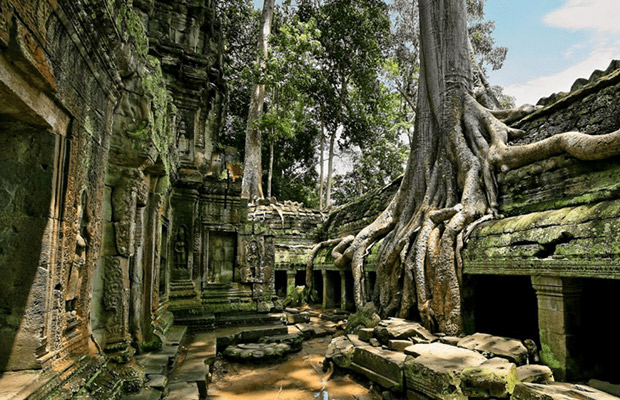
column 251, row 185
column 330, row 168
column 322, row 169
column 270, row 175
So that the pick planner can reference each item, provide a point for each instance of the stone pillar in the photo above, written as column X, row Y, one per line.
column 558, row 320
column 343, row 291
column 290, row 281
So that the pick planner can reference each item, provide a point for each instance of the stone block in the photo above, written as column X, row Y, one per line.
column 558, row 391
column 398, row 328
column 399, row 345
column 496, row 378
column 365, row 334
column 381, row 366
column 451, row 340
column 511, row 349
column 534, row 373
column 435, row 369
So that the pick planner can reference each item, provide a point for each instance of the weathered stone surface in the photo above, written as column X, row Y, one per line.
column 496, row 377
column 340, row 351
column 397, row 328
column 534, row 373
column 295, row 341
column 511, row 349
column 451, row 340
column 399, row 345
column 435, row 369
column 605, row 386
column 558, row 391
column 254, row 351
column 365, row 333
column 182, row 391
column 381, row 366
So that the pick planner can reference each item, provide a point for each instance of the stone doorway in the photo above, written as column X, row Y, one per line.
column 502, row 306
column 222, row 257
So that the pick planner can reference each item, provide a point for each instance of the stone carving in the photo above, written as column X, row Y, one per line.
column 253, row 272
column 180, row 248
column 74, row 276
column 182, row 141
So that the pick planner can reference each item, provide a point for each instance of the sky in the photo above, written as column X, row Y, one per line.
column 551, row 43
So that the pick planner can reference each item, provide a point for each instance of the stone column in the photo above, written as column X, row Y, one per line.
column 343, row 291
column 558, row 320
column 290, row 281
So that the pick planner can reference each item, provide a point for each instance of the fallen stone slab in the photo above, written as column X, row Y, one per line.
column 340, row 351
column 365, row 334
column 605, row 386
column 534, row 373
column 558, row 391
column 511, row 349
column 298, row 318
column 494, row 378
column 384, row 367
column 305, row 330
column 355, row 340
column 399, row 345
column 398, row 328
column 451, row 340
column 435, row 369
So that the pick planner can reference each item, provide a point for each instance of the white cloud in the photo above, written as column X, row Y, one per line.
column 599, row 15
column 531, row 91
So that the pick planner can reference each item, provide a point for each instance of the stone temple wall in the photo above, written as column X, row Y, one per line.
column 558, row 243
column 108, row 115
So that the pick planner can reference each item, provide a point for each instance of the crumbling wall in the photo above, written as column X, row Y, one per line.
column 104, row 108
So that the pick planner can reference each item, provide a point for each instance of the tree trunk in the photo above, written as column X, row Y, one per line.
column 251, row 186
column 322, row 169
column 330, row 168
column 270, row 175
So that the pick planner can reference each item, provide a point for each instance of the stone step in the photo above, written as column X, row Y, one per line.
column 243, row 319
column 175, row 334
column 204, row 322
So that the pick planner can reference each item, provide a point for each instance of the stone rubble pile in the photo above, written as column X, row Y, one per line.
column 406, row 359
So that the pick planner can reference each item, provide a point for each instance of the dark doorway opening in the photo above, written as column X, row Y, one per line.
column 300, row 278
column 280, row 283
column 502, row 305
column 600, row 353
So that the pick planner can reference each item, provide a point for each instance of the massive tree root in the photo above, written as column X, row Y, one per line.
column 419, row 259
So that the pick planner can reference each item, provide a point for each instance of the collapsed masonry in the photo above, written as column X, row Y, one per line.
column 120, row 221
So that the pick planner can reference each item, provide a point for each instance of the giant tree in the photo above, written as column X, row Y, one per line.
column 449, row 183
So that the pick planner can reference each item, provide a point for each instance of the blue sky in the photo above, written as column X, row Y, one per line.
column 551, row 43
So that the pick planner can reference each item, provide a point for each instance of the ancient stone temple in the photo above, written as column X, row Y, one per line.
column 123, row 231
